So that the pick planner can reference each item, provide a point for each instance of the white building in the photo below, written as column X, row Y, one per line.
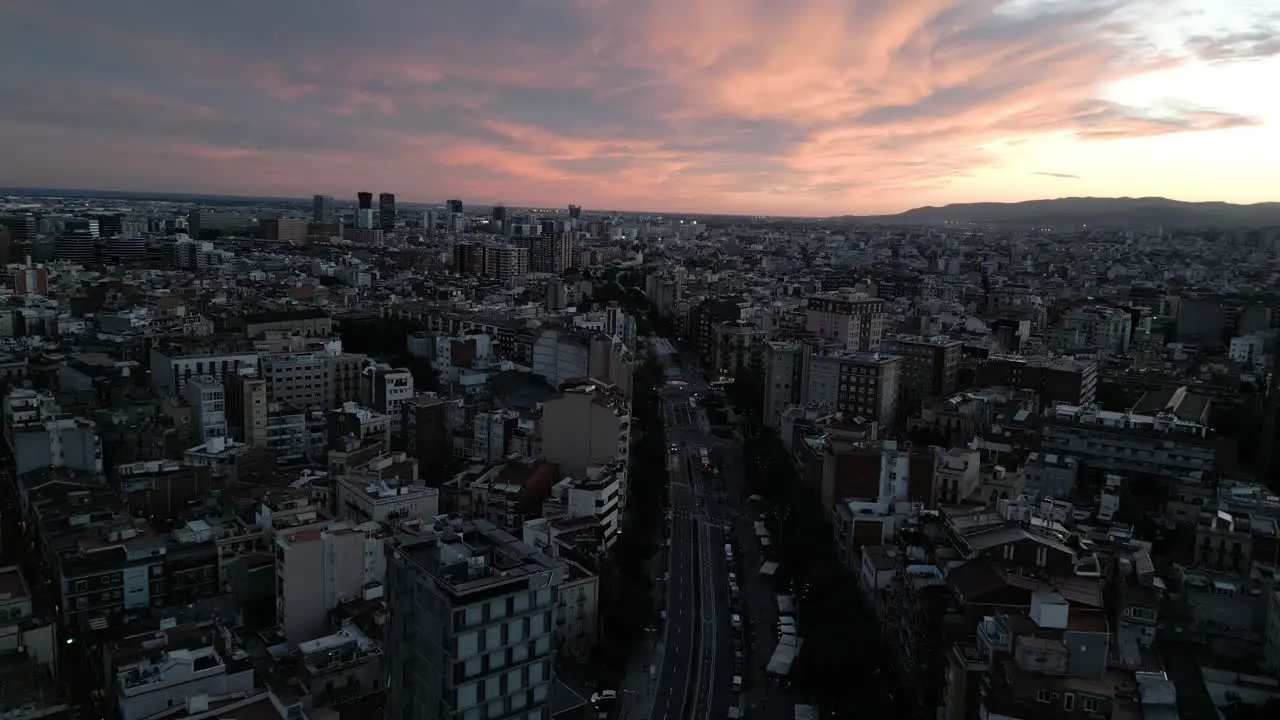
column 172, row 370
column 20, row 629
column 148, row 689
column 596, row 495
column 561, row 355
column 1249, row 350
column 385, row 389
column 363, row 499
column 489, row 434
column 208, row 397
column 781, row 373
column 40, row 435
column 455, row 355
column 318, row 569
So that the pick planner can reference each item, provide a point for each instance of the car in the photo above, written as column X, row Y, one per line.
column 737, row 683
column 737, row 621
column 604, row 696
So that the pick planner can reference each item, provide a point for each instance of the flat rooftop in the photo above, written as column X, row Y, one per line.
column 475, row 555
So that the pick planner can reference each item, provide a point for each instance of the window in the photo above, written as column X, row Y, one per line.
column 1042, row 696
column 1069, row 701
column 82, row 585
column 1090, row 705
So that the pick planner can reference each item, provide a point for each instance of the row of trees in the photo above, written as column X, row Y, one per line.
column 386, row 339
column 842, row 663
column 632, row 607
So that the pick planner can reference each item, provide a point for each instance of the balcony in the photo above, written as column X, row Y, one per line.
column 971, row 657
column 993, row 633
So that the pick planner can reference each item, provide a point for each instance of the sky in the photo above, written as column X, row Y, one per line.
column 777, row 107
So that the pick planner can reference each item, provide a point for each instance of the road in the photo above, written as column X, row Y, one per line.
column 680, row 634
column 696, row 672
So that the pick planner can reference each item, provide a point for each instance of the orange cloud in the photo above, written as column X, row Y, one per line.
column 723, row 105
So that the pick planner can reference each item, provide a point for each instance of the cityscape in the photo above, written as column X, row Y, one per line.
column 353, row 457
column 640, row 360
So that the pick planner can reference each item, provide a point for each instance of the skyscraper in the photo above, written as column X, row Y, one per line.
column 387, row 211
column 322, row 208
column 455, row 206
column 500, row 213
column 575, row 212
column 364, row 210
column 470, row 632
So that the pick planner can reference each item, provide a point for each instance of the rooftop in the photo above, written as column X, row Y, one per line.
column 468, row 556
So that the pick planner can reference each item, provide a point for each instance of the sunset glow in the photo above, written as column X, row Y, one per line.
column 752, row 106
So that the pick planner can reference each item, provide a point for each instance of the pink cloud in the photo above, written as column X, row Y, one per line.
column 746, row 105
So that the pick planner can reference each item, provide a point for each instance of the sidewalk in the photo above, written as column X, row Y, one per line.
column 645, row 666
column 639, row 684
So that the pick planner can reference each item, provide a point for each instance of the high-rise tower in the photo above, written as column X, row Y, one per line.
column 471, row 627
column 364, row 210
column 387, row 211
column 322, row 209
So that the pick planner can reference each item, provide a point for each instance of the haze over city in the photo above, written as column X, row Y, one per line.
column 742, row 106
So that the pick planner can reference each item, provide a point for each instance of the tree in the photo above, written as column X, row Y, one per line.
column 378, row 337
column 842, row 643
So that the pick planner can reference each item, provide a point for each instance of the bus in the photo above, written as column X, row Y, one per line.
column 704, row 460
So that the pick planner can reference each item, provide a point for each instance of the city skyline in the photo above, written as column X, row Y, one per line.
column 820, row 107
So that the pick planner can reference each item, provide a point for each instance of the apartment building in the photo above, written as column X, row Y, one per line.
column 21, row 629
column 317, row 569
column 385, row 389
column 702, row 320
column 783, row 379
column 1101, row 327
column 246, row 407
column 505, row 495
column 361, row 498
column 595, row 495
column 425, row 420
column 303, row 379
column 472, row 624
column 498, row 261
column 208, row 398
column 1161, row 444
column 549, row 253
column 153, row 686
column 1055, row 380
column 361, row 423
column 856, row 384
column 286, row 434
column 340, row 667
column 930, row 367
column 586, row 424
column 172, row 368
column 853, row 320
column 1227, row 541
column 737, row 347
column 40, row 435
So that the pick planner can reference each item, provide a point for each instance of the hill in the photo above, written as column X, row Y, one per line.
column 1076, row 213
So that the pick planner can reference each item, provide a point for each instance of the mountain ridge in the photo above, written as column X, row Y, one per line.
column 1082, row 212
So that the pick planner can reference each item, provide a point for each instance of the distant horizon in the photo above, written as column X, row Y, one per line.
column 725, row 107
column 186, row 196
